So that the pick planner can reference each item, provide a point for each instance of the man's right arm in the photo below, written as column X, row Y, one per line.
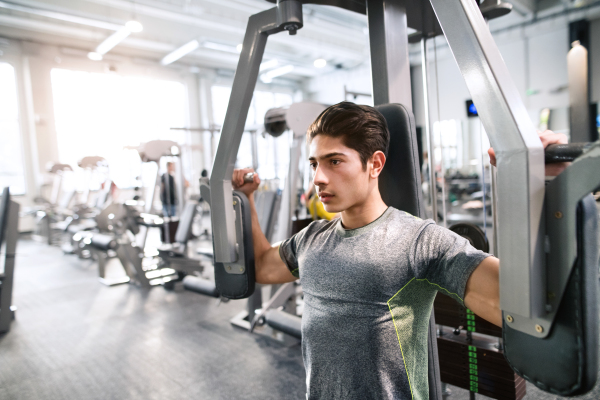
column 269, row 266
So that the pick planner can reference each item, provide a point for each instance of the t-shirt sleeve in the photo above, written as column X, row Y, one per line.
column 289, row 251
column 445, row 259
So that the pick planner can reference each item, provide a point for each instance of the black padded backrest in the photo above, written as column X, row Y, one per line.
column 400, row 180
column 4, row 205
column 185, row 222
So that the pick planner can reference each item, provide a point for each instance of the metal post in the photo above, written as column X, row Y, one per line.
column 388, row 38
column 254, row 149
column 494, row 194
column 428, row 132
column 442, row 170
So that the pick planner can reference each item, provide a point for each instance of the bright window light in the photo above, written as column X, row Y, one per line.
column 11, row 160
column 180, row 52
column 239, row 48
column 320, row 63
column 101, row 114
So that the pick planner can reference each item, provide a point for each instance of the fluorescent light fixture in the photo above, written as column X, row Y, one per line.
column 239, row 48
column 320, row 63
column 92, row 55
column 269, row 64
column 112, row 41
column 221, row 47
column 134, row 26
column 268, row 76
column 180, row 52
column 116, row 38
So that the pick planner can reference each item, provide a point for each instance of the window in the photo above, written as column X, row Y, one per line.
column 102, row 114
column 11, row 158
column 448, row 135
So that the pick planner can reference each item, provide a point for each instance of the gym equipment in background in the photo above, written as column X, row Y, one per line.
column 9, row 234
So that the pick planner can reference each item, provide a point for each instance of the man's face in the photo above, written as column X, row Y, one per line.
column 171, row 168
column 339, row 178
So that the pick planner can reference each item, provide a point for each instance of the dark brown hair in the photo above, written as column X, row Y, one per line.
column 362, row 128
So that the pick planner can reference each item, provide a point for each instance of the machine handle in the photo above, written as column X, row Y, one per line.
column 556, row 153
column 249, row 177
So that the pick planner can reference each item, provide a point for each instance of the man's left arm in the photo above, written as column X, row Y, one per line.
column 482, row 293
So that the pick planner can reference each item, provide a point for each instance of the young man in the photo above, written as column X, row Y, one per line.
column 370, row 277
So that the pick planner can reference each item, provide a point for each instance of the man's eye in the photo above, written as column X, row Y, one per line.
column 313, row 165
column 335, row 162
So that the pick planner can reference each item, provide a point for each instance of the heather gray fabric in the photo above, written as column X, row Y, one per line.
column 368, row 293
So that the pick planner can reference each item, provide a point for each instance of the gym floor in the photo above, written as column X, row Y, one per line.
column 74, row 338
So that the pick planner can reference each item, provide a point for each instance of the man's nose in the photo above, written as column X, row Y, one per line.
column 320, row 179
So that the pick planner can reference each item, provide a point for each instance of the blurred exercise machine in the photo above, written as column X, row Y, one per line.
column 9, row 233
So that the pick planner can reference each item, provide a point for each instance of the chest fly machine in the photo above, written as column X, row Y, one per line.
column 547, row 237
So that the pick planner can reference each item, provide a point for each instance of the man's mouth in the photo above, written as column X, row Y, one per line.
column 325, row 197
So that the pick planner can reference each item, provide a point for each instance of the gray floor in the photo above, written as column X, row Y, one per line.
column 77, row 339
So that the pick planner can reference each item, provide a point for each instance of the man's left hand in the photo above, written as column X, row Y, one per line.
column 547, row 137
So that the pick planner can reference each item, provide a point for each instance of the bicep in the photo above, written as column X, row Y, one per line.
column 272, row 269
column 482, row 293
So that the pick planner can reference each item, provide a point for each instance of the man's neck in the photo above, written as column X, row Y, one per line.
column 364, row 213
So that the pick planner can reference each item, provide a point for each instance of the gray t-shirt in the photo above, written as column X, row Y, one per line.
column 368, row 294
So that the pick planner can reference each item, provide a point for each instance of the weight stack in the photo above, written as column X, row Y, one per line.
column 469, row 354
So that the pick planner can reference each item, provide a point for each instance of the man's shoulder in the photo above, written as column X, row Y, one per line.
column 406, row 218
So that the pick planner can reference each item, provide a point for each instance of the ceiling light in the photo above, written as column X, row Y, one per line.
column 180, row 52
column 320, row 63
column 92, row 55
column 134, row 26
column 267, row 77
column 269, row 64
column 239, row 48
column 112, row 41
column 221, row 47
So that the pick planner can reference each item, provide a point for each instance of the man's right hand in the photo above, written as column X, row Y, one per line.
column 248, row 188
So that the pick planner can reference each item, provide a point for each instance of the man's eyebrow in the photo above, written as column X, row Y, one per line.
column 328, row 155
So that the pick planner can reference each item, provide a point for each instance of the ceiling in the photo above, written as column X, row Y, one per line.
column 79, row 26
column 338, row 36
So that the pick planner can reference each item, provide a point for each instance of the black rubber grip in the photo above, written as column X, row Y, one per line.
column 556, row 153
column 201, row 286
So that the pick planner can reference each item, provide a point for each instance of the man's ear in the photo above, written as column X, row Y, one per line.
column 377, row 162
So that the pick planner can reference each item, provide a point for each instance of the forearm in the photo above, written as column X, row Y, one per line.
column 261, row 244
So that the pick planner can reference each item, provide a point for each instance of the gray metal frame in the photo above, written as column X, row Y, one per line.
column 520, row 157
column 286, row 16
column 536, row 224
column 12, row 235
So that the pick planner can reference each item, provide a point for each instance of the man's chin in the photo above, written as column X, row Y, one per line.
column 332, row 209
